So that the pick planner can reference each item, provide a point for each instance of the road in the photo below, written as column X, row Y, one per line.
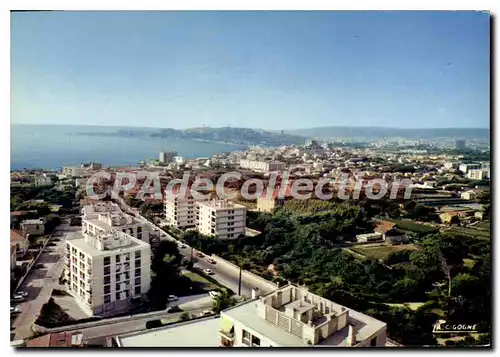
column 222, row 274
column 39, row 283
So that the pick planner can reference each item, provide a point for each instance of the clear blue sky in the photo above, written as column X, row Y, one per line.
column 271, row 70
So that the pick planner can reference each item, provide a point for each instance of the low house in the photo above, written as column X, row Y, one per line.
column 277, row 198
column 58, row 339
column 383, row 227
column 20, row 241
column 396, row 236
column 33, row 226
column 369, row 237
column 17, row 216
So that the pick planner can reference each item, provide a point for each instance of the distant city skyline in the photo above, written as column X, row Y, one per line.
column 268, row 70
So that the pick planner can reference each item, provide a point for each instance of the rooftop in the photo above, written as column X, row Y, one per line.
column 196, row 333
column 16, row 236
column 221, row 204
column 309, row 314
column 83, row 245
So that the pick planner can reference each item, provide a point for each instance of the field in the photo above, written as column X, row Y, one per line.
column 202, row 283
column 469, row 232
column 381, row 251
column 412, row 226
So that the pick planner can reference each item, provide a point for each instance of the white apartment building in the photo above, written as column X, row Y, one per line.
column 43, row 179
column 478, row 174
column 288, row 317
column 167, row 157
column 293, row 317
column 262, row 166
column 73, row 171
column 467, row 167
column 107, row 271
column 107, row 217
column 180, row 212
column 221, row 218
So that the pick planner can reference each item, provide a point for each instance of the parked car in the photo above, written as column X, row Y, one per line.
column 182, row 246
column 208, row 271
column 211, row 261
column 172, row 298
column 213, row 294
column 206, row 313
column 15, row 310
column 22, row 293
column 172, row 309
column 199, row 255
column 18, row 297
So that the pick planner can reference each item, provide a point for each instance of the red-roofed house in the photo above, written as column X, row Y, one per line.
column 20, row 241
column 59, row 339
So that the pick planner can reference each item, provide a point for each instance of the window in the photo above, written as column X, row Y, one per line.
column 246, row 337
column 137, row 254
column 106, row 270
column 127, row 257
column 107, row 279
column 117, row 296
column 117, row 287
column 138, row 272
column 137, row 290
column 255, row 341
column 107, row 289
column 118, row 258
column 107, row 299
column 138, row 281
column 117, row 277
column 373, row 342
column 139, row 230
column 107, row 261
column 89, row 261
column 137, row 262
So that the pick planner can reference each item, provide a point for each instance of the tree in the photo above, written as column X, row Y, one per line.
column 184, row 316
column 223, row 301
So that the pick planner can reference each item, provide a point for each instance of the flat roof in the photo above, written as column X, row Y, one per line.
column 246, row 313
column 220, row 206
column 197, row 333
column 89, row 249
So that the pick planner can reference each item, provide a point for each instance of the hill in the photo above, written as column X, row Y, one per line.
column 374, row 133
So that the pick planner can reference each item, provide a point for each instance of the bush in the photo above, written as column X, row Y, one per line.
column 184, row 316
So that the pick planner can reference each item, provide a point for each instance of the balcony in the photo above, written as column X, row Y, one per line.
column 229, row 336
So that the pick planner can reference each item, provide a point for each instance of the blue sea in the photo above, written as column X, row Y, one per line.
column 53, row 146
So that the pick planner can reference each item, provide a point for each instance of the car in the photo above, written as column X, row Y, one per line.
column 14, row 309
column 211, row 261
column 208, row 271
column 18, row 297
column 172, row 298
column 172, row 309
column 199, row 255
column 206, row 313
column 182, row 246
column 213, row 294
column 22, row 293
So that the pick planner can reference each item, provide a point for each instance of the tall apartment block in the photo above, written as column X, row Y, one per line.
column 180, row 211
column 221, row 218
column 107, row 217
column 107, row 271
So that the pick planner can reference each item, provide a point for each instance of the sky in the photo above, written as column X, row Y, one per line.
column 269, row 70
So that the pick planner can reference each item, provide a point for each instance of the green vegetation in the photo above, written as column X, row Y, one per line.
column 306, row 249
column 411, row 226
column 200, row 283
column 382, row 252
column 223, row 301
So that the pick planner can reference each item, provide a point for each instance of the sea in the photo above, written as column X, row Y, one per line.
column 52, row 146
